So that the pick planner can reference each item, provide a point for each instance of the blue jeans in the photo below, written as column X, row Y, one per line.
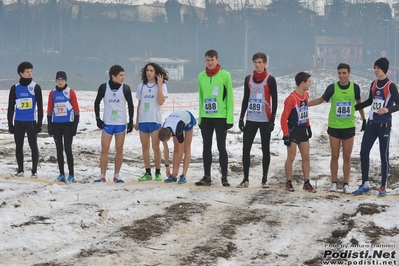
column 370, row 135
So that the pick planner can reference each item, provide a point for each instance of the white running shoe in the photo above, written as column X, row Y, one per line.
column 347, row 190
column 333, row 187
column 244, row 184
column 20, row 174
column 265, row 185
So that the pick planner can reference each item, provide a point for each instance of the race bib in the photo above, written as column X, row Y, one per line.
column 60, row 109
column 377, row 104
column 211, row 106
column 24, row 103
column 303, row 114
column 146, row 107
column 255, row 106
column 343, row 109
column 114, row 114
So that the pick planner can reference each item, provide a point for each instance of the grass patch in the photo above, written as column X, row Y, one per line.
column 374, row 232
column 156, row 225
column 370, row 209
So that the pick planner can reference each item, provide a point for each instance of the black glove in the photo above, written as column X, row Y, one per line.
column 363, row 125
column 11, row 128
column 75, row 125
column 130, row 126
column 270, row 126
column 309, row 130
column 287, row 141
column 50, row 129
column 228, row 126
column 241, row 125
column 100, row 123
column 38, row 127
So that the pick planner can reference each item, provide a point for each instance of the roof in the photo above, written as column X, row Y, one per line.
column 159, row 60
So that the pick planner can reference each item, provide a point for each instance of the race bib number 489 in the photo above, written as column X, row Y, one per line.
column 255, row 106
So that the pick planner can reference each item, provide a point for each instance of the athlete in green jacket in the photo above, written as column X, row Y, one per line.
column 216, row 113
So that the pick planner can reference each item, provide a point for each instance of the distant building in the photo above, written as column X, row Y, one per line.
column 334, row 50
column 175, row 67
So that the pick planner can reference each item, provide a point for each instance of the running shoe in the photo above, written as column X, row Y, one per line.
column 101, row 179
column 61, row 178
column 205, row 181
column 363, row 189
column 308, row 187
column 182, row 180
column 347, row 190
column 118, row 180
column 225, row 183
column 145, row 177
column 170, row 179
column 382, row 192
column 71, row 179
column 289, row 187
column 265, row 185
column 158, row 177
column 243, row 184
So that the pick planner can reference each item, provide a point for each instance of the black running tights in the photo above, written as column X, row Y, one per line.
column 208, row 126
column 250, row 131
column 19, row 136
column 63, row 133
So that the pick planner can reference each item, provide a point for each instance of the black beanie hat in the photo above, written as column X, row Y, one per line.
column 382, row 63
column 61, row 75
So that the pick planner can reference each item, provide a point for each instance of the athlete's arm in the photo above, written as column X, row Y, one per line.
column 273, row 92
column 161, row 96
column 229, row 99
column 129, row 99
column 99, row 97
column 11, row 105
column 316, row 101
column 244, row 104
column 395, row 97
column 39, row 103
column 367, row 102
column 289, row 103
column 180, row 131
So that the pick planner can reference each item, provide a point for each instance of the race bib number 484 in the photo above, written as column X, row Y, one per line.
column 343, row 109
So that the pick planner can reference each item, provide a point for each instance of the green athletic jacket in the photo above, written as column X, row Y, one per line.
column 216, row 99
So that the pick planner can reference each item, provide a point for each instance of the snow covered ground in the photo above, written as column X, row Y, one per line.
column 43, row 222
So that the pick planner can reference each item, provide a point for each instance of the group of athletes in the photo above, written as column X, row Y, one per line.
column 216, row 115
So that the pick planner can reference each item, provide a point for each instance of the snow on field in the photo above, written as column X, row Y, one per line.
column 43, row 222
